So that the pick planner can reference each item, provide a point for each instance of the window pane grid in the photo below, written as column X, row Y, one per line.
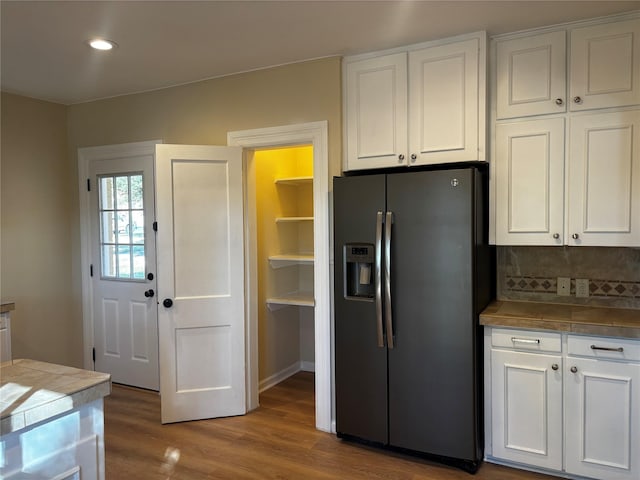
column 121, row 213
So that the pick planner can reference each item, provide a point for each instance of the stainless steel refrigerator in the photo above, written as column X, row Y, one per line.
column 413, row 270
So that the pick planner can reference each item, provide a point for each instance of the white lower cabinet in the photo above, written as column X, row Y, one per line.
column 527, row 408
column 602, row 408
column 565, row 403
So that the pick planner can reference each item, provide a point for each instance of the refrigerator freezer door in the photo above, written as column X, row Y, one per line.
column 432, row 386
column 360, row 363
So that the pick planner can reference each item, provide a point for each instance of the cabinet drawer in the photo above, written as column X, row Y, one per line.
column 603, row 347
column 526, row 340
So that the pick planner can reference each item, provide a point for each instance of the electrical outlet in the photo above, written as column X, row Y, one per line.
column 582, row 287
column 564, row 286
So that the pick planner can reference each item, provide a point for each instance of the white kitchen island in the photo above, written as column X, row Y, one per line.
column 52, row 421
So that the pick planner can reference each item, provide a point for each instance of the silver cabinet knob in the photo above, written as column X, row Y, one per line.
column 401, row 157
column 554, row 366
column 414, row 157
column 575, row 236
column 577, row 99
column 556, row 236
column 574, row 369
column 559, row 101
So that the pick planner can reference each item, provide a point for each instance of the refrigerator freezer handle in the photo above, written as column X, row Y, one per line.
column 378, row 280
column 387, row 273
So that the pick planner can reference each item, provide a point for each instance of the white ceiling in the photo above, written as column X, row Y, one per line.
column 166, row 43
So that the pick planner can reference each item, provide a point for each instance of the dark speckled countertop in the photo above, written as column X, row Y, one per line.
column 610, row 322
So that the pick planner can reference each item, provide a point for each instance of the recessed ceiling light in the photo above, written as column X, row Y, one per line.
column 102, row 44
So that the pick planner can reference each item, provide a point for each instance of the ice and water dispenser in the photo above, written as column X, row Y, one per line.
column 359, row 270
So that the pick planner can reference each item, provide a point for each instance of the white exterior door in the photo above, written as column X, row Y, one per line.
column 602, row 425
column 526, row 416
column 123, row 267
column 200, row 281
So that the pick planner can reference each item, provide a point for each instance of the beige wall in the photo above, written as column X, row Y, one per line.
column 41, row 172
column 37, row 230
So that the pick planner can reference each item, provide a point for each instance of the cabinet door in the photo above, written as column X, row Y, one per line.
column 526, row 410
column 604, row 179
column 531, row 75
column 602, row 419
column 604, row 65
column 529, row 182
column 443, row 107
column 376, row 112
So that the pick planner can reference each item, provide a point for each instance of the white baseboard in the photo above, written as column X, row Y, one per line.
column 278, row 377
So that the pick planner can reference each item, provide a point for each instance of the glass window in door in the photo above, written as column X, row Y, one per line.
column 121, row 210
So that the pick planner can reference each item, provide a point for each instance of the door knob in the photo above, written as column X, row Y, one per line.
column 577, row 99
column 149, row 276
column 554, row 366
column 559, row 101
column 167, row 302
column 414, row 157
column 401, row 157
column 149, row 293
column 575, row 236
column 574, row 369
column 556, row 236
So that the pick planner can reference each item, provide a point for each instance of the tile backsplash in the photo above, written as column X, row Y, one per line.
column 531, row 273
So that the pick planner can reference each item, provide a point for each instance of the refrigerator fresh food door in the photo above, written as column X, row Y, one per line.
column 432, row 369
column 360, row 351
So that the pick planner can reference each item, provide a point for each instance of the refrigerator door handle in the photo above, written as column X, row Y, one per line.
column 378, row 280
column 387, row 273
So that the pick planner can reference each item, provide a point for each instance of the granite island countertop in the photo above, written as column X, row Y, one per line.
column 33, row 391
column 610, row 322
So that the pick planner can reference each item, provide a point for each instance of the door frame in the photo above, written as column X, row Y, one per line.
column 85, row 156
column 316, row 134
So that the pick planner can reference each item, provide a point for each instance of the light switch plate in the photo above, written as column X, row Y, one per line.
column 582, row 287
column 564, row 286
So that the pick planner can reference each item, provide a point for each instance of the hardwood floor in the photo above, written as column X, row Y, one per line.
column 276, row 441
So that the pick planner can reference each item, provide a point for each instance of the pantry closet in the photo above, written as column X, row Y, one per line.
column 285, row 262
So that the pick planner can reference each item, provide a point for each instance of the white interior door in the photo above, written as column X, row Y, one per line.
column 200, row 281
column 123, row 268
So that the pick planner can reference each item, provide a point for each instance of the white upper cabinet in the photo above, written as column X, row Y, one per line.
column 605, row 61
column 530, row 182
column 531, row 75
column 604, row 179
column 423, row 104
column 567, row 155
column 376, row 112
column 444, row 103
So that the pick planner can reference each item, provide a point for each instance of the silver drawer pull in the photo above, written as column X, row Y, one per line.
column 608, row 349
column 526, row 340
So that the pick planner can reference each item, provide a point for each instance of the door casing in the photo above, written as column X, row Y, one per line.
column 315, row 134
